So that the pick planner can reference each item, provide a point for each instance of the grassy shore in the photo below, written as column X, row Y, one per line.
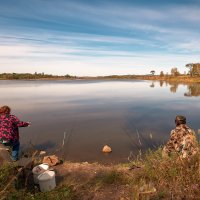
column 168, row 78
column 150, row 177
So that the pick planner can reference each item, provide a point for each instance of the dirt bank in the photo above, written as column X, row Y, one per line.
column 95, row 181
column 152, row 177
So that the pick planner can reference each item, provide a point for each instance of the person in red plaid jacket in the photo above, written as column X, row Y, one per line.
column 9, row 130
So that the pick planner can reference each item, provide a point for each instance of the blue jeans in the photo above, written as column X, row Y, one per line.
column 15, row 149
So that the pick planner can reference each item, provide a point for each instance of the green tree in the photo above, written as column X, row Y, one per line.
column 161, row 73
column 189, row 66
column 175, row 72
column 152, row 72
column 194, row 69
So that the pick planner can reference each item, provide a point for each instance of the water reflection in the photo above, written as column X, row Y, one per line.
column 173, row 87
column 161, row 83
column 152, row 85
column 192, row 89
column 127, row 115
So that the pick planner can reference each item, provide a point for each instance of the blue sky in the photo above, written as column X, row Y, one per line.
column 98, row 37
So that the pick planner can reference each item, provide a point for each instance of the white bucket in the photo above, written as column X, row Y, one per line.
column 39, row 169
column 47, row 181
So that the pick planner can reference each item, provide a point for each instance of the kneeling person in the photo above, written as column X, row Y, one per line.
column 182, row 140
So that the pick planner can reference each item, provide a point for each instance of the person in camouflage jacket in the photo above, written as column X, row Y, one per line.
column 182, row 140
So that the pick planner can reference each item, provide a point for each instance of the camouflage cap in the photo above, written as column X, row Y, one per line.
column 181, row 119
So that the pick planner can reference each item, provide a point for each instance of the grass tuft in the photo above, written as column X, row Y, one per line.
column 61, row 193
column 6, row 171
column 172, row 177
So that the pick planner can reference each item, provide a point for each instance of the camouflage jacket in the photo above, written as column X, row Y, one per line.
column 182, row 141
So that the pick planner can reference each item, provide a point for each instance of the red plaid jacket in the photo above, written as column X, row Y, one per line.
column 9, row 127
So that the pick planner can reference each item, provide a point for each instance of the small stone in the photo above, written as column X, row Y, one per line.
column 42, row 152
column 106, row 149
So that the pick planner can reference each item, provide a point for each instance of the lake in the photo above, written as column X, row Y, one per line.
column 75, row 119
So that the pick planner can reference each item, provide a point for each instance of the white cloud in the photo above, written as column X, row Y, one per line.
column 130, row 37
column 140, row 63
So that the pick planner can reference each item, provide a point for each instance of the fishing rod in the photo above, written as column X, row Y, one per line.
column 140, row 138
column 66, row 139
column 131, row 139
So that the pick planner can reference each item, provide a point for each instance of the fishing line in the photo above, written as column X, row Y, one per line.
column 66, row 139
column 131, row 139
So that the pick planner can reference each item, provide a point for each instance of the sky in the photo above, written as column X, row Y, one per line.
column 98, row 37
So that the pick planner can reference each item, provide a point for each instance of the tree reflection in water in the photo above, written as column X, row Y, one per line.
column 193, row 90
column 173, row 87
column 161, row 83
column 152, row 85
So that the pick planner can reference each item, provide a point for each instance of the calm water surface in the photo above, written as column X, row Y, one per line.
column 127, row 115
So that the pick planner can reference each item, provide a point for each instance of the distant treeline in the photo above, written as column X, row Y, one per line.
column 19, row 76
column 119, row 76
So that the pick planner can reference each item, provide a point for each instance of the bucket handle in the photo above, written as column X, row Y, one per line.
column 46, row 164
